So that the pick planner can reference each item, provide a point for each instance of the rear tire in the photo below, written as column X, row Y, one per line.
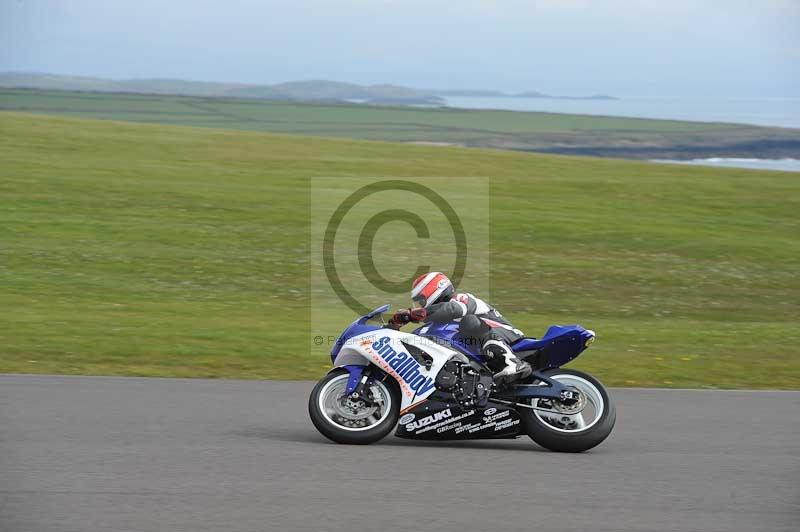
column 571, row 440
column 335, row 427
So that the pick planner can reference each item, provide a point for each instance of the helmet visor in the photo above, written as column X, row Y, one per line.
column 419, row 299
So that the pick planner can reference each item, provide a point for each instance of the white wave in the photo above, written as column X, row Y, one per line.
column 786, row 164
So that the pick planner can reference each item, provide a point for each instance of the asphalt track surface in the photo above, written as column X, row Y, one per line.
column 106, row 454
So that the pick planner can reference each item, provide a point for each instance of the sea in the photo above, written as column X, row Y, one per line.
column 786, row 165
column 776, row 112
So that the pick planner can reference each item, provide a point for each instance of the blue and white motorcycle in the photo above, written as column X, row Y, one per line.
column 433, row 384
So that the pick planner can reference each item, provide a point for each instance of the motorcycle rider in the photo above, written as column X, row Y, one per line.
column 478, row 322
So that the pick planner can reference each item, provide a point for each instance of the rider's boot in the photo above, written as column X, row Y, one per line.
column 512, row 368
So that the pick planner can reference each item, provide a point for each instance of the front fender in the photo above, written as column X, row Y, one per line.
column 352, row 360
column 355, row 373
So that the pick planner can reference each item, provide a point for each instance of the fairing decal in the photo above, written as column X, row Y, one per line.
column 439, row 420
column 385, row 349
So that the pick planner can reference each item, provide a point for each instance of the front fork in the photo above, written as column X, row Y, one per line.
column 358, row 382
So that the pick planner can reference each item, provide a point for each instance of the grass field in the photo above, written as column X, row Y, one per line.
column 132, row 249
column 630, row 137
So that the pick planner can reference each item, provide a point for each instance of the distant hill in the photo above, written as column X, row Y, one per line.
column 311, row 90
column 88, row 84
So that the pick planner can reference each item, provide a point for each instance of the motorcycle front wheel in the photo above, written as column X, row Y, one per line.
column 342, row 419
column 571, row 428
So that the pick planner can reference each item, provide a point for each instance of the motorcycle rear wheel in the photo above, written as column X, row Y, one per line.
column 343, row 420
column 567, row 431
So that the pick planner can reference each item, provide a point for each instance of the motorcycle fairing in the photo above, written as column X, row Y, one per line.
column 559, row 345
column 386, row 349
column 440, row 418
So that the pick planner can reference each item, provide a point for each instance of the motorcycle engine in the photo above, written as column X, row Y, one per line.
column 448, row 375
column 469, row 385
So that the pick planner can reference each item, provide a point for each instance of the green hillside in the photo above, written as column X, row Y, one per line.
column 615, row 136
column 133, row 249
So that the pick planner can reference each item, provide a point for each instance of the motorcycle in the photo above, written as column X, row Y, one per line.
column 433, row 384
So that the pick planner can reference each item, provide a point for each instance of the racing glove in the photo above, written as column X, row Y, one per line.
column 406, row 315
column 417, row 314
column 400, row 318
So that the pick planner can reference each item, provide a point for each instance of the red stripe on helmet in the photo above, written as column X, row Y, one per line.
column 427, row 288
column 420, row 281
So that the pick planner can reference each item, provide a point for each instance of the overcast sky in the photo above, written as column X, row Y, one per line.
column 629, row 48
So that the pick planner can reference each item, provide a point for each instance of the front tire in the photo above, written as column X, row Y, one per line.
column 344, row 421
column 571, row 432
